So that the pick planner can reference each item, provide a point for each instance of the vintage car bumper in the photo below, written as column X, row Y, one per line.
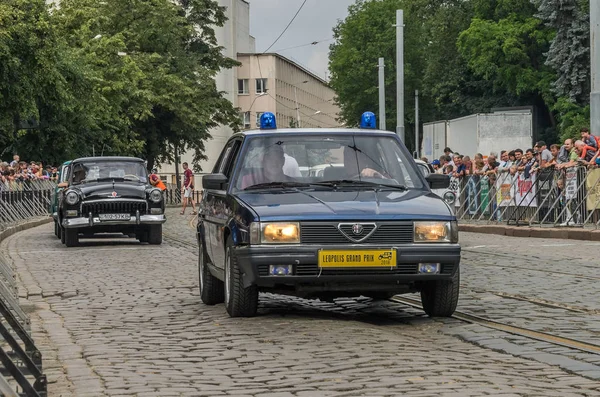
column 95, row 221
column 254, row 262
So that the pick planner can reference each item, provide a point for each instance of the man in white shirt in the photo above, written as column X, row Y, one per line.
column 290, row 167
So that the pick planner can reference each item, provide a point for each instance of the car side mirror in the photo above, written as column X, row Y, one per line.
column 214, row 181
column 438, row 181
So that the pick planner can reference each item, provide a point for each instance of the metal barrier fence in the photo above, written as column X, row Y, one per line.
column 548, row 197
column 20, row 201
column 173, row 195
column 20, row 361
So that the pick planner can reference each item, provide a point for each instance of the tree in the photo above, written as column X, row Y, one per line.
column 154, row 64
column 364, row 36
column 569, row 53
column 41, row 85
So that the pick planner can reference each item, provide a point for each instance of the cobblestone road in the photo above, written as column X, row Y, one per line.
column 116, row 318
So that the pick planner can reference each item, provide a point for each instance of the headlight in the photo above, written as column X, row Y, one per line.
column 449, row 197
column 156, row 195
column 436, row 232
column 72, row 198
column 275, row 233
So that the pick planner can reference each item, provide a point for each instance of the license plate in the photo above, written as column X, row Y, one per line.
column 357, row 258
column 114, row 217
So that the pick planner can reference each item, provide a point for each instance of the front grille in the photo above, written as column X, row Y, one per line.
column 114, row 207
column 389, row 234
column 312, row 269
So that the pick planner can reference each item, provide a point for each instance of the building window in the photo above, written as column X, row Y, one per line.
column 245, row 117
column 261, row 86
column 258, row 114
column 243, row 87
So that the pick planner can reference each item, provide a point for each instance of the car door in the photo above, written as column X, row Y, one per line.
column 218, row 207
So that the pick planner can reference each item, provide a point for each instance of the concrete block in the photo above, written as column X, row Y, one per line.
column 522, row 232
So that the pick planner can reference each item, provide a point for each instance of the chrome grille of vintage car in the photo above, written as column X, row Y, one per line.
column 114, row 207
column 385, row 234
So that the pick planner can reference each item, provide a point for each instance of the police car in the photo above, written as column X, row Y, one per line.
column 371, row 227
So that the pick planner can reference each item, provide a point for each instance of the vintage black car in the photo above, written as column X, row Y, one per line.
column 110, row 194
column 371, row 227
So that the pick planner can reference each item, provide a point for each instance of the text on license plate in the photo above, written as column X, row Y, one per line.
column 357, row 258
column 114, row 217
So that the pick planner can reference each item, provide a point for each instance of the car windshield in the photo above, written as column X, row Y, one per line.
column 336, row 160
column 118, row 171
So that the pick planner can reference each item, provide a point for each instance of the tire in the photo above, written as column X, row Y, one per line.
column 56, row 229
column 155, row 235
column 62, row 235
column 212, row 290
column 439, row 298
column 142, row 235
column 239, row 301
column 71, row 237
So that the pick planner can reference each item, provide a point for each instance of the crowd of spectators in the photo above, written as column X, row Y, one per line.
column 581, row 152
column 18, row 171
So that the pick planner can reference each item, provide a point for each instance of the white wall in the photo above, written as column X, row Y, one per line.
column 504, row 131
column 462, row 135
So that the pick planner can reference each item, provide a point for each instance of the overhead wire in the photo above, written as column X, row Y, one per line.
column 288, row 25
column 305, row 45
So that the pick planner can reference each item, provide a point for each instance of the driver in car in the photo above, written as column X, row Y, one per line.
column 273, row 160
column 355, row 160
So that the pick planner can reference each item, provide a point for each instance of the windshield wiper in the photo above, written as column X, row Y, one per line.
column 357, row 183
column 277, row 185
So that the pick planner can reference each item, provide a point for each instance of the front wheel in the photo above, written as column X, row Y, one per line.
column 440, row 298
column 56, row 229
column 155, row 234
column 71, row 237
column 211, row 288
column 239, row 301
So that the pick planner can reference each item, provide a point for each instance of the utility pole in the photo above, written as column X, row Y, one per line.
column 595, row 67
column 297, row 108
column 381, row 95
column 417, row 147
column 400, row 74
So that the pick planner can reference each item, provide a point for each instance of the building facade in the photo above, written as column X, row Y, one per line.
column 270, row 82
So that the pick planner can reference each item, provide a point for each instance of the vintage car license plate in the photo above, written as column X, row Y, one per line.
column 357, row 258
column 114, row 217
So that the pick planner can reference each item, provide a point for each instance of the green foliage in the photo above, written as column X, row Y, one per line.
column 572, row 117
column 464, row 56
column 121, row 77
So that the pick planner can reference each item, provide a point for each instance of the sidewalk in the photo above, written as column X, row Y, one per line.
column 539, row 232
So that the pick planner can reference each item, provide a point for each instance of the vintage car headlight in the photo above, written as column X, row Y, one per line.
column 436, row 232
column 275, row 233
column 72, row 198
column 449, row 197
column 156, row 195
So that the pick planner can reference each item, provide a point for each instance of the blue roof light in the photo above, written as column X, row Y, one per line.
column 367, row 120
column 267, row 121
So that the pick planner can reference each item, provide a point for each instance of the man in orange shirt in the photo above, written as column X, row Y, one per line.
column 156, row 182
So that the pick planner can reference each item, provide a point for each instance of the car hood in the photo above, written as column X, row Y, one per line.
column 346, row 204
column 97, row 191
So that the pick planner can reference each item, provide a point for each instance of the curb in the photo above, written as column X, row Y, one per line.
column 24, row 226
column 515, row 231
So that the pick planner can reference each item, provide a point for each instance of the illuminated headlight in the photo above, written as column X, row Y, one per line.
column 449, row 197
column 275, row 233
column 72, row 198
column 436, row 232
column 155, row 195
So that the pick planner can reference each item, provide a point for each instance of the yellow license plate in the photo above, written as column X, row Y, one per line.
column 357, row 258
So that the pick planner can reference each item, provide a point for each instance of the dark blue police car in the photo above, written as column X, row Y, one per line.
column 365, row 224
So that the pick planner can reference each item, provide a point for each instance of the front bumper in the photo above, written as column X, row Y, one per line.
column 254, row 262
column 138, row 219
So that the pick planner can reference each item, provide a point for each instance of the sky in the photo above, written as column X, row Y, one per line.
column 315, row 22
